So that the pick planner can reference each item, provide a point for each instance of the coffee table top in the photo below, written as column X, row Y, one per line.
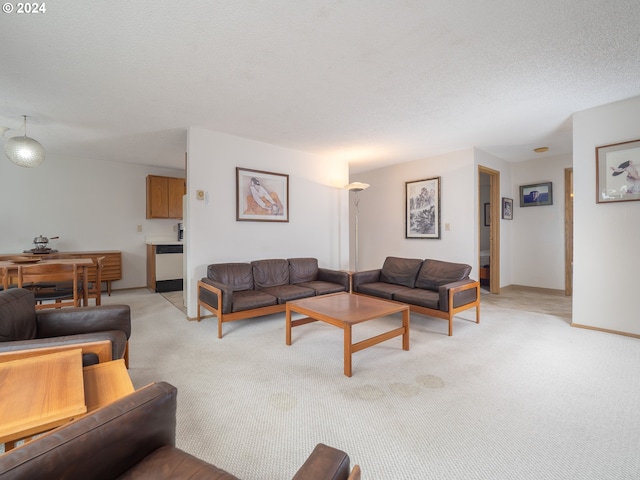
column 39, row 393
column 346, row 307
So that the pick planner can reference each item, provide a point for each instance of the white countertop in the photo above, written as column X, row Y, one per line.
column 162, row 240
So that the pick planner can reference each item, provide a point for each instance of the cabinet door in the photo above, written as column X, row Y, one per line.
column 177, row 190
column 157, row 197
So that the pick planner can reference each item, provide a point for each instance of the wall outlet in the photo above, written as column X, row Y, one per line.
column 447, row 227
column 139, row 228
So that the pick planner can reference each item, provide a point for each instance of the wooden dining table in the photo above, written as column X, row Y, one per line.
column 82, row 264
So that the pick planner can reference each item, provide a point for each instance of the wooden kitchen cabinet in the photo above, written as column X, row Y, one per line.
column 164, row 196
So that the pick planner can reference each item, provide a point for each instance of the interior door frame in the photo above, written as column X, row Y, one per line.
column 568, row 231
column 494, row 225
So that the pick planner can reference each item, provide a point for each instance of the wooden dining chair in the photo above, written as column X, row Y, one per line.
column 4, row 277
column 44, row 280
column 95, row 279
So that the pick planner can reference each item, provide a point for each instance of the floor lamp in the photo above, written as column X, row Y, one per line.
column 357, row 187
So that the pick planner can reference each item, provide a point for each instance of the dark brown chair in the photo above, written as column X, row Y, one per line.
column 133, row 438
column 22, row 327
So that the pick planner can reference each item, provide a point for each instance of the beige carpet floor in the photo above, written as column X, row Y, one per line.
column 522, row 395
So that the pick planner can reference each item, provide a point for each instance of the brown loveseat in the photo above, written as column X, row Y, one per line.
column 134, row 438
column 430, row 287
column 235, row 291
column 24, row 328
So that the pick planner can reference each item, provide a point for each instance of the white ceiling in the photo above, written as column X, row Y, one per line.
column 372, row 81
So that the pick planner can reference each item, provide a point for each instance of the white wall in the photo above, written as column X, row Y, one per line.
column 318, row 206
column 382, row 212
column 606, row 236
column 537, row 242
column 91, row 205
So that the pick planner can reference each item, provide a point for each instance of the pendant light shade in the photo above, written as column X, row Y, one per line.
column 24, row 151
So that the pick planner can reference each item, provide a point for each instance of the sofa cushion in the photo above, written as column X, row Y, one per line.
column 172, row 463
column 248, row 299
column 323, row 288
column 400, row 271
column 17, row 315
column 435, row 273
column 420, row 297
column 286, row 293
column 381, row 289
column 270, row 273
column 237, row 275
column 303, row 270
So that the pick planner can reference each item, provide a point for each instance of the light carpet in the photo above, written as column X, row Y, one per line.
column 522, row 395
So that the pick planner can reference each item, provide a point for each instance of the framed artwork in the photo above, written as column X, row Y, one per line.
column 487, row 214
column 617, row 172
column 536, row 195
column 261, row 196
column 422, row 214
column 507, row 208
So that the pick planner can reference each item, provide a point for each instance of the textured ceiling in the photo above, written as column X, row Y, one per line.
column 372, row 81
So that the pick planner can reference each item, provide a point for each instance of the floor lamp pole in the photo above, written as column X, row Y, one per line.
column 357, row 187
column 356, row 201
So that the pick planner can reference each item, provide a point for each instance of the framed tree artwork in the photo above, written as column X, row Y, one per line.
column 422, row 208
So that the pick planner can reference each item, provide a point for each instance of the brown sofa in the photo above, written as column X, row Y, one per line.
column 134, row 438
column 24, row 328
column 430, row 287
column 235, row 291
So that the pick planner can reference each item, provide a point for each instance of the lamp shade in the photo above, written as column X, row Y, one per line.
column 24, row 151
column 357, row 186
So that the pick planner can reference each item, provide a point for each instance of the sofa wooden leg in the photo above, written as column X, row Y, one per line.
column 451, row 325
column 126, row 355
column 219, row 327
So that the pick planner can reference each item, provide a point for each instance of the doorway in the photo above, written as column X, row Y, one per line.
column 489, row 229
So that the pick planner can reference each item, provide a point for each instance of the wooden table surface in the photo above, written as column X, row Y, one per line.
column 40, row 393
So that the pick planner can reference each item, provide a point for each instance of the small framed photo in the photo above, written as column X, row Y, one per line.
column 536, row 195
column 422, row 208
column 618, row 172
column 261, row 196
column 487, row 214
column 507, row 208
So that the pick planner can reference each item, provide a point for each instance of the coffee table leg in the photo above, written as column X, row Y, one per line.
column 347, row 350
column 405, row 335
column 288, row 310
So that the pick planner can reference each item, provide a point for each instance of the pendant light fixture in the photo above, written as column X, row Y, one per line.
column 24, row 151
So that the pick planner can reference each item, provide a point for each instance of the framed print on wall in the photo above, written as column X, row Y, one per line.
column 261, row 196
column 536, row 194
column 422, row 214
column 507, row 208
column 617, row 172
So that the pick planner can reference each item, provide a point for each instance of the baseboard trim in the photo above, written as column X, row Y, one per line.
column 525, row 288
column 605, row 330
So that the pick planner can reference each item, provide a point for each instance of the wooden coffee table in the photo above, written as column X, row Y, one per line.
column 39, row 393
column 345, row 310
